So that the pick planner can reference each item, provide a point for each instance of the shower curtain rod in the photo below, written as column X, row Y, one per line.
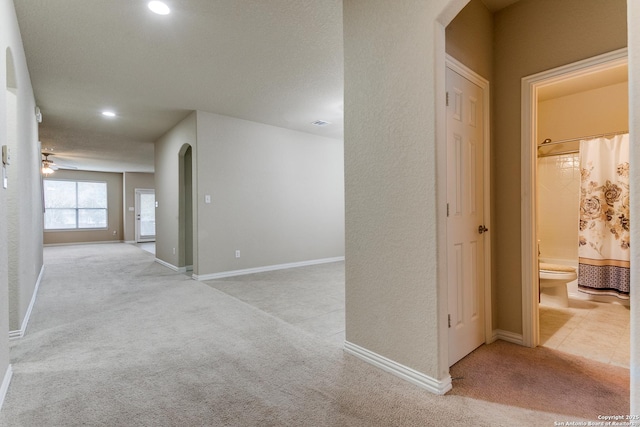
column 549, row 142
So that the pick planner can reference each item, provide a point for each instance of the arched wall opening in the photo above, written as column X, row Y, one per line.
column 185, row 200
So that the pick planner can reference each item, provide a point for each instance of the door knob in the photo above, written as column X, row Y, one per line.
column 482, row 229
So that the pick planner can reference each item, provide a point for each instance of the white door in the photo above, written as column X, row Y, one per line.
column 465, row 226
column 145, row 215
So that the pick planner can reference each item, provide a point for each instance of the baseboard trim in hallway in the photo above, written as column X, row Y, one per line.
column 4, row 388
column 212, row 276
column 433, row 385
column 171, row 266
column 512, row 337
column 17, row 334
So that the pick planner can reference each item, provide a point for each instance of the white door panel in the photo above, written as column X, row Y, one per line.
column 465, row 220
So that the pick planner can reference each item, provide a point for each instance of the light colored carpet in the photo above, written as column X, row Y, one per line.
column 118, row 340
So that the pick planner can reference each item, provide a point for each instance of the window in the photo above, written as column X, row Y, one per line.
column 71, row 205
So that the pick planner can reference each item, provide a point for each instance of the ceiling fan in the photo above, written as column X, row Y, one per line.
column 48, row 167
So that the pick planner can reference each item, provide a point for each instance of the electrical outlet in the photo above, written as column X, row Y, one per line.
column 237, row 253
column 174, row 251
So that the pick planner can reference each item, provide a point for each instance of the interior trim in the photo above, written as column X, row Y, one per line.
column 212, row 276
column 171, row 266
column 14, row 335
column 512, row 337
column 433, row 385
column 99, row 242
column 4, row 388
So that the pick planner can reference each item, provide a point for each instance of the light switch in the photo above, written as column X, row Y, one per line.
column 207, row 198
column 131, row 209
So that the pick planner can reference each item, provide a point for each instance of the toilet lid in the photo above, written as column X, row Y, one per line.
column 557, row 267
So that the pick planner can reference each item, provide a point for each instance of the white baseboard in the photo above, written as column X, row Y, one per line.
column 14, row 335
column 254, row 270
column 499, row 334
column 417, row 378
column 171, row 266
column 4, row 388
column 131, row 242
column 100, row 242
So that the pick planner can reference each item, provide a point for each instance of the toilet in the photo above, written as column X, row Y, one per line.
column 553, row 284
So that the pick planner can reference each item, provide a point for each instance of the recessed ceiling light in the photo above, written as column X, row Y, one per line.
column 159, row 7
column 108, row 114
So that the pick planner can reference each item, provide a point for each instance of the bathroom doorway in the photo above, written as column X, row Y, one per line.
column 561, row 107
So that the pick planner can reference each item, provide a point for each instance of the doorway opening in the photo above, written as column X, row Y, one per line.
column 145, row 210
column 570, row 83
column 185, row 222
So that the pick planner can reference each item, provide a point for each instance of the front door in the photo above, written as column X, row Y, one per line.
column 145, row 215
column 465, row 218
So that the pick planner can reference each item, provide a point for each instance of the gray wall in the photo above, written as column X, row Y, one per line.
column 131, row 182
column 20, row 203
column 114, row 201
column 277, row 195
column 167, row 178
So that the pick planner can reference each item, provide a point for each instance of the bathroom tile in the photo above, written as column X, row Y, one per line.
column 598, row 331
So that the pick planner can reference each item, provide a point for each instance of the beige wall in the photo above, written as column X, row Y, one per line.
column 591, row 112
column 131, row 182
column 470, row 38
column 20, row 203
column 114, row 219
column 532, row 36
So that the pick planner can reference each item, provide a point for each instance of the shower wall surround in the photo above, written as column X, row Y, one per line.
column 558, row 207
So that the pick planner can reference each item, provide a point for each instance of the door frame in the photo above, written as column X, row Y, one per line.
column 137, row 193
column 529, row 162
column 475, row 78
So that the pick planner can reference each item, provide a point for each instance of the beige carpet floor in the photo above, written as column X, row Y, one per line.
column 542, row 379
column 116, row 339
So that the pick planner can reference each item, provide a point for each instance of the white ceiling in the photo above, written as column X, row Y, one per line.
column 278, row 62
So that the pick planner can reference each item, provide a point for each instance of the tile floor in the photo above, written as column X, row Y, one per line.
column 598, row 331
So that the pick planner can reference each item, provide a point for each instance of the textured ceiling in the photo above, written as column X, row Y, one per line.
column 278, row 62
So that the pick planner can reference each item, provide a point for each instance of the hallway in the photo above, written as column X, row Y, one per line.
column 117, row 339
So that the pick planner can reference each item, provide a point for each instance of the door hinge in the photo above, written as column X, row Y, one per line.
column 449, row 320
column 447, row 99
column 447, row 210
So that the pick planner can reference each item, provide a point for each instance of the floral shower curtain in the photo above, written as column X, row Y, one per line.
column 604, row 216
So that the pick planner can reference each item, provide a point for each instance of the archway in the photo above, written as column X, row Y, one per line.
column 185, row 200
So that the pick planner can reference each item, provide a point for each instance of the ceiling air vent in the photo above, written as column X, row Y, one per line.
column 320, row 123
